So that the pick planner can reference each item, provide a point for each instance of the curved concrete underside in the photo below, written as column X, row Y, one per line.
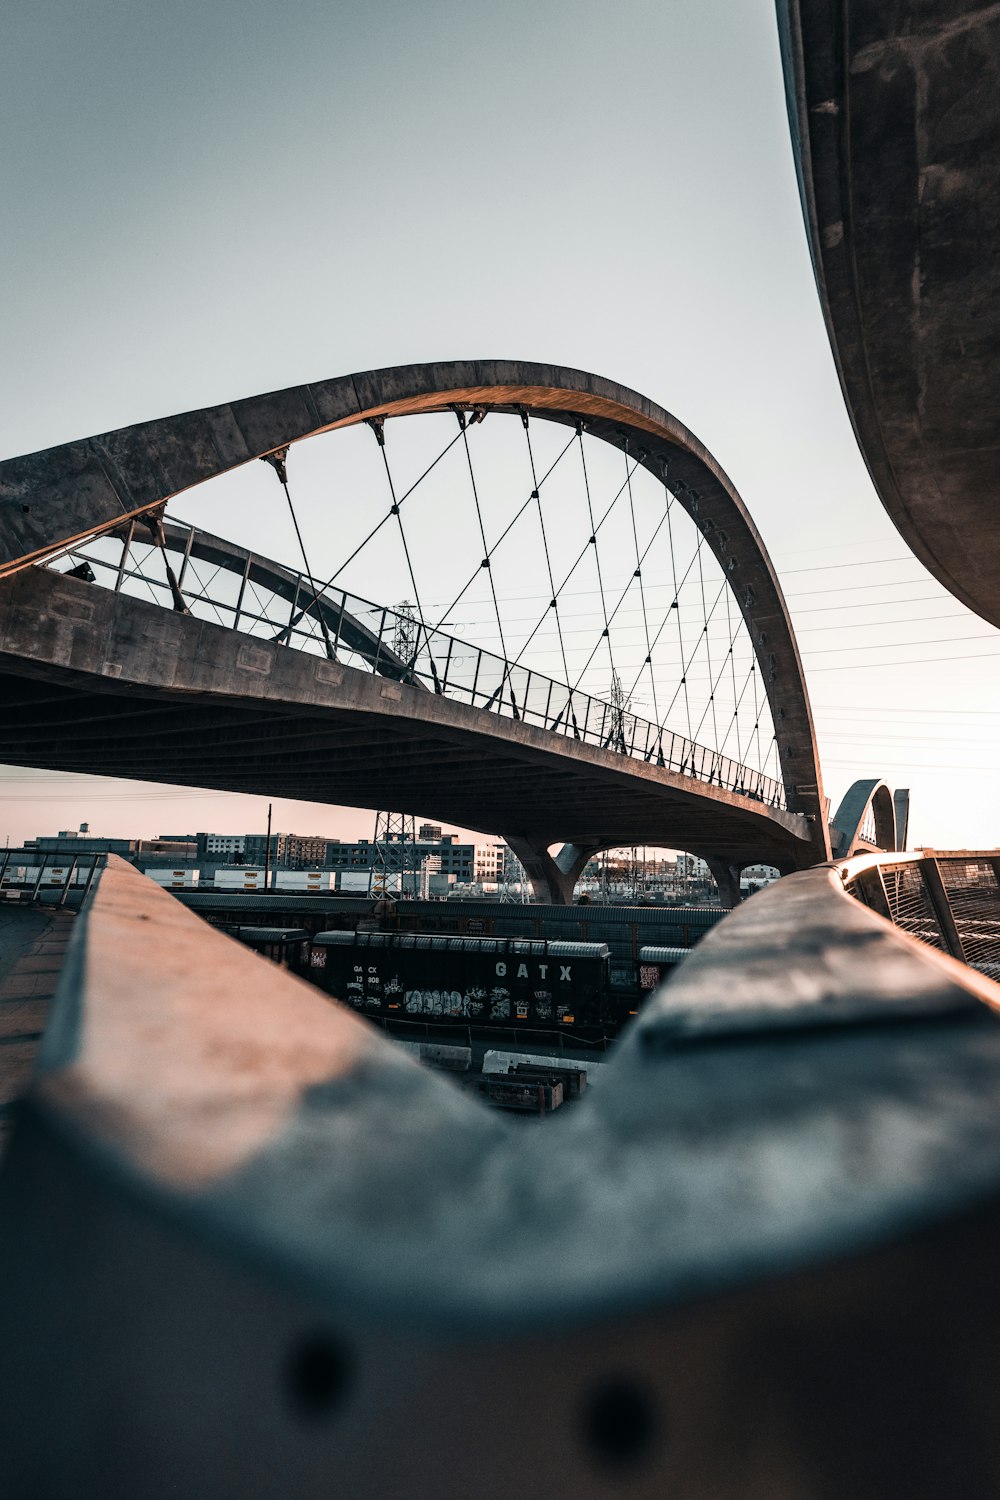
column 98, row 682
column 895, row 118
column 91, row 486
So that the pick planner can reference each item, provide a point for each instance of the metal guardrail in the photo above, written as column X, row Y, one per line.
column 950, row 901
column 253, row 595
column 37, row 876
column 251, row 1248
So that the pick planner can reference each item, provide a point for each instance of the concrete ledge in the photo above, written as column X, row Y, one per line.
column 284, row 1255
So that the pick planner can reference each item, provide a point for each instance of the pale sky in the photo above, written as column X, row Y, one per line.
column 206, row 202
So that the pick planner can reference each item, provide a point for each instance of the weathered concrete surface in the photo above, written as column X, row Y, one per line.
column 99, row 682
column 33, row 943
column 264, row 1228
column 82, row 488
column 204, row 1069
column 553, row 877
column 895, row 117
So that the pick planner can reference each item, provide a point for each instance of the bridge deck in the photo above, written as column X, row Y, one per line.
column 104, row 683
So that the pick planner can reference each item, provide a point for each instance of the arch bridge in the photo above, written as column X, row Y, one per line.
column 676, row 712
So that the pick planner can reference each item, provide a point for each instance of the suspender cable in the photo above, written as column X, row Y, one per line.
column 638, row 574
column 579, row 558
column 378, row 427
column 467, row 586
column 153, row 521
column 735, row 723
column 686, row 665
column 677, row 607
column 610, row 619
column 536, row 491
column 708, row 653
column 739, row 703
column 277, row 460
column 387, row 517
column 462, row 422
column 597, row 555
column 713, row 687
column 756, row 715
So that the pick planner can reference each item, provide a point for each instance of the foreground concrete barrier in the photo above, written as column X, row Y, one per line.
column 251, row 1248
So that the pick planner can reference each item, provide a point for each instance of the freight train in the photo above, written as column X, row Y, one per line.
column 625, row 930
column 473, row 980
column 406, row 978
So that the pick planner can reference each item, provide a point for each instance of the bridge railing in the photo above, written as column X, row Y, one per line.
column 258, row 597
column 47, row 877
column 949, row 901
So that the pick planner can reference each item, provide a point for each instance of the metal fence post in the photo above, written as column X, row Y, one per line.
column 934, row 886
column 69, row 880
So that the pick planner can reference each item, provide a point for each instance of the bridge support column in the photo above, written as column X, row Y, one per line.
column 726, row 875
column 552, row 878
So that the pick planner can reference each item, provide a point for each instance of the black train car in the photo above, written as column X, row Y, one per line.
column 656, row 964
column 625, row 929
column 477, row 981
column 282, row 945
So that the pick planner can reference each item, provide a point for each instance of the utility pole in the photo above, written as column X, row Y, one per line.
column 267, row 850
column 394, row 830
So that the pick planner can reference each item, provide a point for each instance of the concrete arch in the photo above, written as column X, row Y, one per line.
column 865, row 802
column 82, row 489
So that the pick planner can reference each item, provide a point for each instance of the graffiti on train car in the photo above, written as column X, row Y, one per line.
column 476, row 980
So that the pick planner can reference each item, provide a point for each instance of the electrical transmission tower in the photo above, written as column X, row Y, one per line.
column 512, row 886
column 395, row 832
column 621, row 703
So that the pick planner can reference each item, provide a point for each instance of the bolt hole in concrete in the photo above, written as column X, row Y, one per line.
column 619, row 1422
column 317, row 1376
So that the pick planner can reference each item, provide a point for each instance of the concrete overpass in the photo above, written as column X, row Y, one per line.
column 895, row 119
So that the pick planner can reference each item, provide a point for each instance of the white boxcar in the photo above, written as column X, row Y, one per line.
column 240, row 878
column 175, row 880
column 304, row 880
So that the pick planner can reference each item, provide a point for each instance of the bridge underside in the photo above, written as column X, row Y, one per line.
column 99, row 683
column 896, row 129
